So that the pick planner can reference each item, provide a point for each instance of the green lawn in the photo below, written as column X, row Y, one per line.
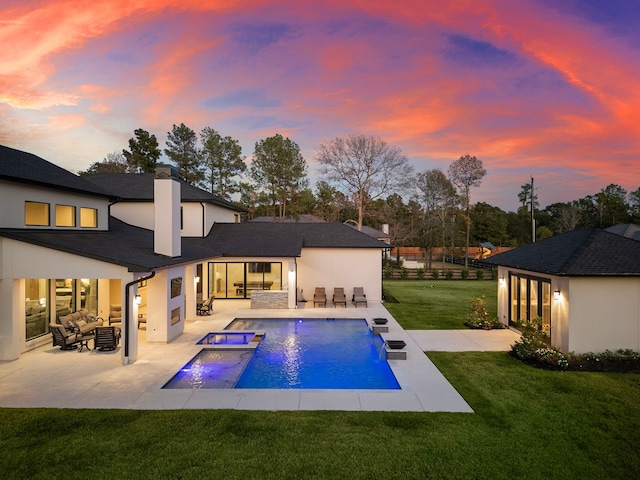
column 528, row 423
column 437, row 304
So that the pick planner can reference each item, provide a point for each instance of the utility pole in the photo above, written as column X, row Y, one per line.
column 533, row 220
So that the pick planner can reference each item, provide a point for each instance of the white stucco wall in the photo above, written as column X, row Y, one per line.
column 604, row 314
column 160, row 304
column 197, row 218
column 340, row 267
column 13, row 196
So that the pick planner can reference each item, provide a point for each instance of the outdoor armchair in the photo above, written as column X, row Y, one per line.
column 207, row 306
column 115, row 314
column 107, row 338
column 66, row 339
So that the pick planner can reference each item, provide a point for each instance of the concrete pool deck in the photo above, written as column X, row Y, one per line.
column 49, row 377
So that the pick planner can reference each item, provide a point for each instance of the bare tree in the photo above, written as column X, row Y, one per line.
column 365, row 168
column 464, row 173
column 115, row 162
column 438, row 196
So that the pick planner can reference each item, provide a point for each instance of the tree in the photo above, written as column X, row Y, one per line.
column 634, row 205
column 526, row 195
column 144, row 152
column 612, row 203
column 330, row 202
column 114, row 162
column 279, row 168
column 438, row 197
column 464, row 173
column 365, row 167
column 183, row 151
column 223, row 162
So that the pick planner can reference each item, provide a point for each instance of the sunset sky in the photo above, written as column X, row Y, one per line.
column 542, row 88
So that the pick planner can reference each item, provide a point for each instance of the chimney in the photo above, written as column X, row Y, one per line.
column 166, row 206
column 385, row 228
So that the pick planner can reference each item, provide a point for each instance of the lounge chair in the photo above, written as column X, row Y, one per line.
column 319, row 297
column 359, row 296
column 207, row 306
column 107, row 338
column 63, row 337
column 339, row 297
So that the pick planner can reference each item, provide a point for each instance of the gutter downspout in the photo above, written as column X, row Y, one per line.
column 126, row 311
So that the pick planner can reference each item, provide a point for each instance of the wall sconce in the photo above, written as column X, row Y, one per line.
column 138, row 299
column 556, row 294
column 502, row 281
column 197, row 279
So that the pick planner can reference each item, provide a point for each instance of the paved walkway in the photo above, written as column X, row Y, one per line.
column 49, row 377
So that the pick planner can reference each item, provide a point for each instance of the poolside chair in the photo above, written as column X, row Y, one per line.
column 207, row 306
column 107, row 338
column 339, row 297
column 66, row 339
column 319, row 297
column 359, row 296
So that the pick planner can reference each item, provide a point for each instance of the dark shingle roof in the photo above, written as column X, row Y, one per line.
column 576, row 253
column 123, row 244
column 23, row 167
column 138, row 187
column 286, row 239
column 132, row 247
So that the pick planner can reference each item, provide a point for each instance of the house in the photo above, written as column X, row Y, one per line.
column 70, row 243
column 583, row 284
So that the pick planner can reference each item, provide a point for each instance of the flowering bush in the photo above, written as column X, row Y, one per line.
column 533, row 349
column 607, row 361
column 479, row 316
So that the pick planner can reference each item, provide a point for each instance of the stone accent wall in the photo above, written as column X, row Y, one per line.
column 270, row 299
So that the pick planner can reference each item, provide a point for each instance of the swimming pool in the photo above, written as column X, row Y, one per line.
column 294, row 354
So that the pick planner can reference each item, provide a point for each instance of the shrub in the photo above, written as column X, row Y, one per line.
column 465, row 273
column 420, row 273
column 479, row 274
column 404, row 273
column 388, row 271
column 607, row 361
column 533, row 348
column 448, row 273
column 479, row 316
column 435, row 273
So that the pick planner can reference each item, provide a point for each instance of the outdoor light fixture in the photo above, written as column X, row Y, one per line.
column 556, row 295
column 197, row 279
column 502, row 282
column 138, row 299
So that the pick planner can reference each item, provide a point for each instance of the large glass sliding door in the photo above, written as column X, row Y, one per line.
column 239, row 279
column 37, row 307
column 530, row 298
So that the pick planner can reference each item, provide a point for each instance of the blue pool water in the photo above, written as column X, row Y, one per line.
column 295, row 354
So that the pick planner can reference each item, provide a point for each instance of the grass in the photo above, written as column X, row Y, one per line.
column 528, row 423
column 437, row 304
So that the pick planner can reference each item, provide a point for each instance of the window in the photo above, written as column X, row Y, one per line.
column 36, row 307
column 89, row 294
column 65, row 216
column 239, row 280
column 88, row 217
column 65, row 296
column 530, row 298
column 36, row 213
